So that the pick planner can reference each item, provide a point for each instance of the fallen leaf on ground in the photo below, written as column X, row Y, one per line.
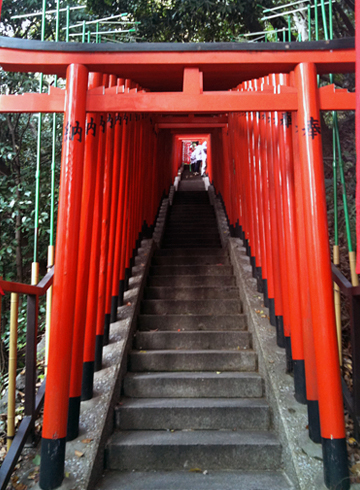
column 142, row 351
column 196, row 470
column 128, row 304
column 355, row 468
column 79, row 454
column 34, row 474
column 37, row 460
column 86, row 441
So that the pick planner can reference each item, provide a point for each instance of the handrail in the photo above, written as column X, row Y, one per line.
column 345, row 285
column 21, row 288
column 33, row 401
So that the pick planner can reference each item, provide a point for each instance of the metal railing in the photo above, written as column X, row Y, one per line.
column 33, row 400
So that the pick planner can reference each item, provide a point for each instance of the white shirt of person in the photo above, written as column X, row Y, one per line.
column 198, row 152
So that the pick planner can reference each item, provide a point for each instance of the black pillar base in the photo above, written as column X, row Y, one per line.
column 87, row 380
column 98, row 353
column 259, row 279
column 132, row 261
column 127, row 277
column 52, row 463
column 253, row 266
column 114, row 306
column 280, row 338
column 299, row 381
column 247, row 247
column 73, row 418
column 232, row 230
column 106, row 329
column 238, row 230
column 289, row 359
column 265, row 292
column 272, row 312
column 121, row 292
column 336, row 471
column 314, row 421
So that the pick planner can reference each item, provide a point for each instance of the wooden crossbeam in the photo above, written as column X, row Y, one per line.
column 177, row 102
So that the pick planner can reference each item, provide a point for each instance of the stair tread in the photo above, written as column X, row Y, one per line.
column 186, row 480
column 194, row 384
column 195, row 375
column 235, row 322
column 195, row 339
column 182, row 352
column 195, row 403
column 194, row 438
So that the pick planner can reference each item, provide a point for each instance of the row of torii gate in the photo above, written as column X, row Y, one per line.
column 125, row 110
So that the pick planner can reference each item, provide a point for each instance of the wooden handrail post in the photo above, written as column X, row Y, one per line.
column 12, row 368
column 30, row 373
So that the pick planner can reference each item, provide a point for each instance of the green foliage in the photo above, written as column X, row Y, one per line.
column 188, row 20
column 18, row 148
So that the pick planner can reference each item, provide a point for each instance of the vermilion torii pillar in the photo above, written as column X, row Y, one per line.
column 64, row 288
column 86, row 225
column 357, row 77
column 320, row 280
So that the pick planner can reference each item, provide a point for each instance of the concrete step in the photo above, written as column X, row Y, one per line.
column 190, row 307
column 192, row 360
column 194, row 385
column 191, row 270
column 192, row 214
column 201, row 206
column 191, row 281
column 165, row 450
column 191, row 293
column 183, row 252
column 181, row 219
column 182, row 197
column 192, row 243
column 190, row 228
column 196, row 234
column 192, row 322
column 191, row 238
column 180, row 215
column 202, row 222
column 193, row 340
column 195, row 480
column 192, row 413
column 191, row 260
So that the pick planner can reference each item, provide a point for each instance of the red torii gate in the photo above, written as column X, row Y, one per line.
column 186, row 79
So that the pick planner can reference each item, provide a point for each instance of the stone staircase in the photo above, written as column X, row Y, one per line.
column 193, row 413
